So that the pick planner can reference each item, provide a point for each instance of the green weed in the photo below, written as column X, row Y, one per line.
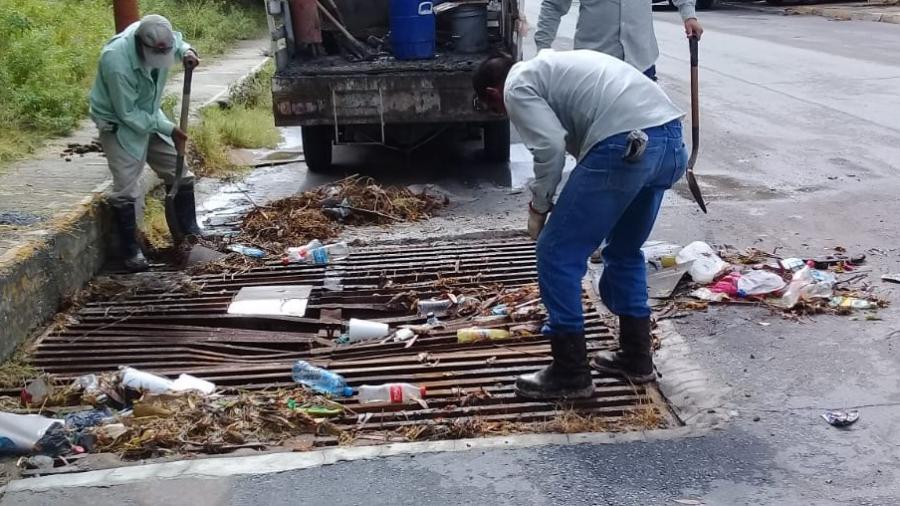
column 49, row 51
column 246, row 123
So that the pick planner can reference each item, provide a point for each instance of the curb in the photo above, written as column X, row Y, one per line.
column 213, row 468
column 38, row 275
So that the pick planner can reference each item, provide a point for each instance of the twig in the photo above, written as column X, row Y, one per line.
column 361, row 210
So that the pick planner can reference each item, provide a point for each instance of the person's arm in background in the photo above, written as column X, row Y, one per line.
column 548, row 21
column 688, row 11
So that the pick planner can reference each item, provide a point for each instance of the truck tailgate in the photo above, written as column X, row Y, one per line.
column 331, row 90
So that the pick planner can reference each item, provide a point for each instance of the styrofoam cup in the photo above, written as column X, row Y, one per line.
column 362, row 330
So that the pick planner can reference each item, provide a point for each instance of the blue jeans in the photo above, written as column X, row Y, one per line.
column 607, row 198
column 651, row 72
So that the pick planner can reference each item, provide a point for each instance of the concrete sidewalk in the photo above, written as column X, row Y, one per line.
column 63, row 244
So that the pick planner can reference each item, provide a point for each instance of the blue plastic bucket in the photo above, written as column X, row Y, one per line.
column 412, row 29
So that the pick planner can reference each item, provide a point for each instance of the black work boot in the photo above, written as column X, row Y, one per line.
column 568, row 376
column 132, row 257
column 186, row 211
column 634, row 359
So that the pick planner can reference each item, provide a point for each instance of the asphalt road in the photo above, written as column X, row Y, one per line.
column 799, row 132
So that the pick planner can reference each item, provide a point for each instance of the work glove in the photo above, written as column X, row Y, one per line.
column 536, row 222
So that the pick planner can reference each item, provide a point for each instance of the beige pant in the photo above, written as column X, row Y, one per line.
column 126, row 170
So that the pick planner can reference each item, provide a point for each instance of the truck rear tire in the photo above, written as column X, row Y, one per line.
column 496, row 141
column 317, row 143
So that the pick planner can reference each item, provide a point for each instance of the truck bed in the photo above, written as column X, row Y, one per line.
column 337, row 65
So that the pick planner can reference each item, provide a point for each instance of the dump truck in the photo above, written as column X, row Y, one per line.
column 338, row 78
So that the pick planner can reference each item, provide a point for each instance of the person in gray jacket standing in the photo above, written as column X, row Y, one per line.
column 619, row 28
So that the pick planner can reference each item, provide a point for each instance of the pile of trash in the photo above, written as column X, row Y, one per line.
column 138, row 414
column 321, row 213
column 795, row 285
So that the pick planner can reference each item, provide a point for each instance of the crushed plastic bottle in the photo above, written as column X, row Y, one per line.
column 395, row 393
column 300, row 254
column 247, row 251
column 329, row 253
column 852, row 303
column 320, row 380
column 757, row 282
column 475, row 334
column 437, row 306
column 706, row 264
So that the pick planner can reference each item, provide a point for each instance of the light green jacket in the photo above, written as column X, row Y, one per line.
column 125, row 94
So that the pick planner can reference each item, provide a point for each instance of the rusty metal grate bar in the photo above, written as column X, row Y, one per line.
column 170, row 334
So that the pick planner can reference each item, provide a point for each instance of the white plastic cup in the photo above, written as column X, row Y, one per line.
column 363, row 330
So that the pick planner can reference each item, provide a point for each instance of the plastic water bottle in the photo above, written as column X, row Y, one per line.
column 247, row 251
column 329, row 253
column 320, row 380
column 301, row 253
column 395, row 393
column 474, row 334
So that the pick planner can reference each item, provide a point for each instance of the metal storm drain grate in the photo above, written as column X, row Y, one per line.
column 468, row 384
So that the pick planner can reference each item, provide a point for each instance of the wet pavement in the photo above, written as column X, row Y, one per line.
column 799, row 153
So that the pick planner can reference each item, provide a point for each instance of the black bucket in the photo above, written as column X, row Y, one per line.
column 470, row 34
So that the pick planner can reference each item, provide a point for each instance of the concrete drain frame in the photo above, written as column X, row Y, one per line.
column 173, row 333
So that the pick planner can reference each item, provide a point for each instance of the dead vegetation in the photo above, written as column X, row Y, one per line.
column 321, row 213
column 17, row 370
column 166, row 423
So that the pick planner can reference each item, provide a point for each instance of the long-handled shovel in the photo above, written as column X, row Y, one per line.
column 695, row 125
column 187, row 251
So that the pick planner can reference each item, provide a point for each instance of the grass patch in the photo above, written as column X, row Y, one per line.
column 246, row 123
column 17, row 370
column 155, row 229
column 168, row 105
column 49, row 51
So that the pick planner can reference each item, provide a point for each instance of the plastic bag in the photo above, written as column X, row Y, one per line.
column 20, row 433
column 808, row 283
column 759, row 283
column 707, row 265
column 728, row 284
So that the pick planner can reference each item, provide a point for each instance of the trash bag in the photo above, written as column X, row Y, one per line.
column 20, row 433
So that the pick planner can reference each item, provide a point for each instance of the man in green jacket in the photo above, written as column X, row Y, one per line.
column 125, row 105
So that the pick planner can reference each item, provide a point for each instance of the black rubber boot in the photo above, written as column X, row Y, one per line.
column 132, row 257
column 634, row 360
column 186, row 211
column 568, row 376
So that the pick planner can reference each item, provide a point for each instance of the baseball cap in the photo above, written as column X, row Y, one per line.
column 158, row 40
